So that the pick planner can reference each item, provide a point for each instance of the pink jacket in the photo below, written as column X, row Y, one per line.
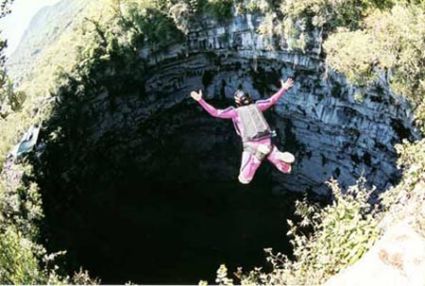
column 231, row 113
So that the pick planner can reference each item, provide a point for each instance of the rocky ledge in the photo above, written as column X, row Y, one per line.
column 334, row 128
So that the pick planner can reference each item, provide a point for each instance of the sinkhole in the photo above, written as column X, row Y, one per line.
column 160, row 204
column 140, row 184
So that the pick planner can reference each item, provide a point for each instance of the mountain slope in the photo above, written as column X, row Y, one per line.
column 45, row 29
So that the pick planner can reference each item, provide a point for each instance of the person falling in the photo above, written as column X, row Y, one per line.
column 254, row 130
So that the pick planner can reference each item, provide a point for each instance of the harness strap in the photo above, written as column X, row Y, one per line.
column 258, row 152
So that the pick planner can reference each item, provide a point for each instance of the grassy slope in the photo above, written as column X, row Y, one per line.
column 47, row 26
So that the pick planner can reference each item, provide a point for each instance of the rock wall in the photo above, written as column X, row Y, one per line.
column 396, row 259
column 333, row 128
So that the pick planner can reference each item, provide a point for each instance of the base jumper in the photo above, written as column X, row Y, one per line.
column 254, row 130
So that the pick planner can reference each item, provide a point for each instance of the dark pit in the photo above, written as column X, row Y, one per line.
column 163, row 206
column 140, row 184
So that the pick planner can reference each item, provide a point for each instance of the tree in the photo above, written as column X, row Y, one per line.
column 4, row 11
column 10, row 100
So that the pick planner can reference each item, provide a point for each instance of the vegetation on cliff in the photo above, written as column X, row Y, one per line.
column 390, row 45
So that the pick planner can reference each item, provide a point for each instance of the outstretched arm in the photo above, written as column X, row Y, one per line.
column 227, row 113
column 267, row 103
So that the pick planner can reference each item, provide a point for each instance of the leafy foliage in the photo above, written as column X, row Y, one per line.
column 391, row 45
column 330, row 14
column 10, row 101
column 221, row 9
column 298, row 21
column 19, row 211
column 406, row 200
column 18, row 264
column 344, row 46
column 4, row 11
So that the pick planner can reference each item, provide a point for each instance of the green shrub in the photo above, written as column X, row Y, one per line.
column 354, row 54
column 392, row 44
column 330, row 14
column 18, row 265
column 405, row 201
column 302, row 17
column 221, row 9
column 255, row 6
column 22, row 260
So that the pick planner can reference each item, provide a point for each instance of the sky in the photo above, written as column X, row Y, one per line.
column 14, row 25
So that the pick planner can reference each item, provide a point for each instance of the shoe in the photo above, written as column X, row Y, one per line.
column 242, row 180
column 286, row 157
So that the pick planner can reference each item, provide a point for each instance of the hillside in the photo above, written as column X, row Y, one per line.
column 45, row 29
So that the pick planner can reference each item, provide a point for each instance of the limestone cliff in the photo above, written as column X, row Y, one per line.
column 321, row 120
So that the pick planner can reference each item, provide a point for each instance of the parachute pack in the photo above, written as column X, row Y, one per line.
column 253, row 122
